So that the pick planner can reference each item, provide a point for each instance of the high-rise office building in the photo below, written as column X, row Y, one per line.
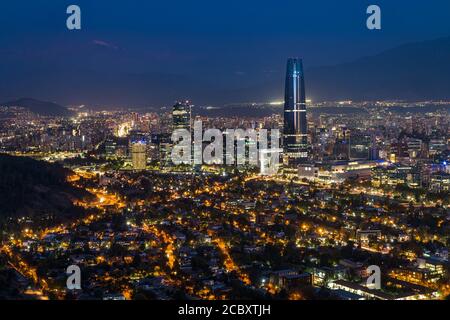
column 181, row 115
column 181, row 118
column 139, row 154
column 295, row 138
column 110, row 147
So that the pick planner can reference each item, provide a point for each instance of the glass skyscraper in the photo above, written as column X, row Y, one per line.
column 295, row 139
column 181, row 119
column 181, row 115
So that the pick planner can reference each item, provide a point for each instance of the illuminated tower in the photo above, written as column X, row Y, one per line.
column 295, row 139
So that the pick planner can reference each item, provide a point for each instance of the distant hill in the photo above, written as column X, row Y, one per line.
column 414, row 71
column 42, row 108
column 37, row 189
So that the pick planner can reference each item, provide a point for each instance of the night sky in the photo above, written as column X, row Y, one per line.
column 234, row 44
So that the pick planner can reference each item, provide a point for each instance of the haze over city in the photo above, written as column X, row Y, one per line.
column 149, row 53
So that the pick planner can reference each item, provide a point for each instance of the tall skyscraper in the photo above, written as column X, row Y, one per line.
column 295, row 139
column 181, row 115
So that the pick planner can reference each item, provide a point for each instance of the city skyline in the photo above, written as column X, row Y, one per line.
column 225, row 159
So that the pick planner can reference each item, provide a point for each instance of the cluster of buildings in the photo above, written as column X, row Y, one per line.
column 167, row 236
column 359, row 184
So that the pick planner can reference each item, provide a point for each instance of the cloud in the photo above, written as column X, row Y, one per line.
column 105, row 44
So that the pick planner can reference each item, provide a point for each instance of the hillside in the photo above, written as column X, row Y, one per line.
column 414, row 71
column 37, row 189
column 42, row 108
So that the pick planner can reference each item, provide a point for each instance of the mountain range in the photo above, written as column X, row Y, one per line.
column 413, row 71
column 43, row 108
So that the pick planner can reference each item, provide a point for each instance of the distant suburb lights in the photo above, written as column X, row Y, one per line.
column 73, row 21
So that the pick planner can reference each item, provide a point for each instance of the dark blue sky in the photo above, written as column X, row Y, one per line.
column 243, row 41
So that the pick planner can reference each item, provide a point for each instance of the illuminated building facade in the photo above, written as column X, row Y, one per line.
column 295, row 139
column 139, row 155
column 181, row 115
